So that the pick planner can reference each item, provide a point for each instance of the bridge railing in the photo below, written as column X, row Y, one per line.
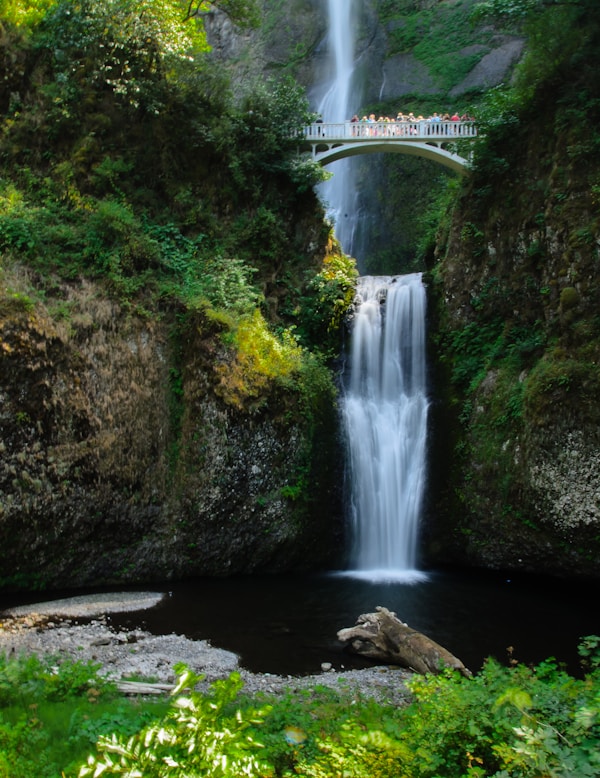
column 423, row 130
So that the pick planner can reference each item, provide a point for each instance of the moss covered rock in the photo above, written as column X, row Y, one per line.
column 120, row 462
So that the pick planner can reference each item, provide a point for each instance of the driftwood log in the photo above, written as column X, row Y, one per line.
column 383, row 637
column 140, row 687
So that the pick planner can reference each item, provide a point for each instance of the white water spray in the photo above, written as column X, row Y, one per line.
column 385, row 414
column 337, row 105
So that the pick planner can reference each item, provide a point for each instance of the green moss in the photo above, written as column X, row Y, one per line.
column 569, row 298
column 14, row 303
column 562, row 382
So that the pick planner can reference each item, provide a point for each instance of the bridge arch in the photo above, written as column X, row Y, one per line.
column 331, row 142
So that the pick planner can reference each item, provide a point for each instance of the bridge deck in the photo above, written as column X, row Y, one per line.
column 429, row 139
column 428, row 131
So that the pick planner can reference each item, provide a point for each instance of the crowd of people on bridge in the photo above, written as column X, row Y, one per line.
column 405, row 124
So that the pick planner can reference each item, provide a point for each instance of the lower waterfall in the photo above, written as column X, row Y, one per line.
column 385, row 410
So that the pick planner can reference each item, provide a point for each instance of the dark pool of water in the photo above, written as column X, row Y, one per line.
column 288, row 624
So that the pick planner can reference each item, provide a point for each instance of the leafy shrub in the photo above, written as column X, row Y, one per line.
column 260, row 358
column 196, row 274
column 328, row 298
column 31, row 691
column 26, row 13
column 515, row 722
column 22, row 748
column 29, row 679
column 505, row 722
column 356, row 753
column 201, row 735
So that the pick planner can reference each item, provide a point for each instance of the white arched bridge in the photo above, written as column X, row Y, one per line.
column 429, row 139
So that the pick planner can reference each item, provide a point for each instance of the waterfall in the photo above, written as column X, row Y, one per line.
column 385, row 417
column 338, row 104
column 385, row 403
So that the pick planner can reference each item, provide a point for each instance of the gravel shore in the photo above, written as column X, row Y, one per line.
column 48, row 629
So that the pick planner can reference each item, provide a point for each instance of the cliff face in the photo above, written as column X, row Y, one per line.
column 120, row 462
column 396, row 48
column 518, row 341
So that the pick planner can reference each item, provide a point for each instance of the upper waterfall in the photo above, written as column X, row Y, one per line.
column 340, row 99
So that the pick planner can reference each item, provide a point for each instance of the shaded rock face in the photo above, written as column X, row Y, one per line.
column 292, row 36
column 119, row 462
column 517, row 294
column 403, row 74
column 493, row 67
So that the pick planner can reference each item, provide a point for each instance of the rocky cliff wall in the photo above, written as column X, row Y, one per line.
column 119, row 462
column 390, row 65
column 518, row 342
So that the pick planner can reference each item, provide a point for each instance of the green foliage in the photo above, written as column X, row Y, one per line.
column 482, row 726
column 589, row 651
column 262, row 233
column 24, row 680
column 261, row 357
column 123, row 42
column 560, row 378
column 52, row 711
column 328, row 297
column 434, row 219
column 26, row 13
column 272, row 111
column 519, row 10
column 196, row 275
column 263, row 136
column 474, row 348
column 557, row 42
column 176, row 16
column 355, row 753
column 17, row 232
column 512, row 10
column 569, row 298
column 243, row 13
column 552, row 47
column 32, row 690
column 128, row 160
column 489, row 360
column 505, row 722
column 12, row 303
column 201, row 735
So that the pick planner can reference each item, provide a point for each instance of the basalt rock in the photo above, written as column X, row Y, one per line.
column 516, row 301
column 120, row 462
